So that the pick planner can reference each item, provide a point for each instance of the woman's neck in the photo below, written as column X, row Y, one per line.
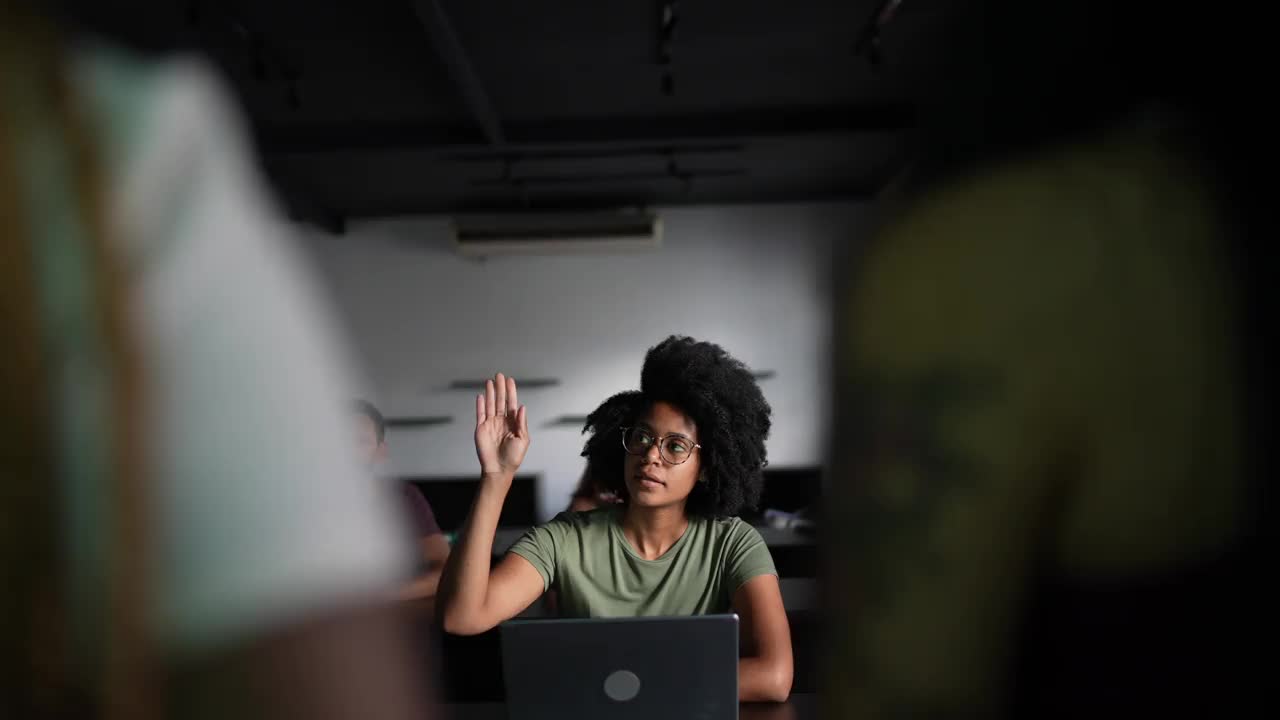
column 652, row 531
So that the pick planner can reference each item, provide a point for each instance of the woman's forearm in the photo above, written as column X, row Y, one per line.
column 463, row 591
column 763, row 679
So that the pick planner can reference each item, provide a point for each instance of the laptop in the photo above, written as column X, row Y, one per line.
column 653, row 668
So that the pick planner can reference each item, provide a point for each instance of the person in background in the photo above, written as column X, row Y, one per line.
column 590, row 494
column 181, row 533
column 686, row 453
column 430, row 543
column 1047, row 472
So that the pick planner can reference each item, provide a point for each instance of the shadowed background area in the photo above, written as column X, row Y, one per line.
column 398, row 107
column 759, row 134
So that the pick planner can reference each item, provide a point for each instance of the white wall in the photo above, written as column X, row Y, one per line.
column 753, row 279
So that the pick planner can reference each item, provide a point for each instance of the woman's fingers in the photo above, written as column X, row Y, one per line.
column 524, row 422
column 500, row 383
column 501, row 398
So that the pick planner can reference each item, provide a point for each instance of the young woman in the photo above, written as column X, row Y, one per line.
column 685, row 453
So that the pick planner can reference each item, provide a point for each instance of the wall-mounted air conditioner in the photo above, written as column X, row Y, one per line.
column 506, row 234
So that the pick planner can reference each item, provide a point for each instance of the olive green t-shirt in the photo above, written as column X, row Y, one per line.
column 595, row 572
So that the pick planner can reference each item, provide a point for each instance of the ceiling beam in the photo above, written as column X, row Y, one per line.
column 672, row 173
column 590, row 152
column 608, row 201
column 447, row 45
column 589, row 132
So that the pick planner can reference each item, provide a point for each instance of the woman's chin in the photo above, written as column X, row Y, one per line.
column 640, row 493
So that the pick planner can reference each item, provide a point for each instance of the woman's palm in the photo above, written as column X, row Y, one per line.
column 502, row 428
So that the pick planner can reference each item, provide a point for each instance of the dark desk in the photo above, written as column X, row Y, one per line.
column 801, row 706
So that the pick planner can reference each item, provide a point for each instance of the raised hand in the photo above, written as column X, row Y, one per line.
column 502, row 428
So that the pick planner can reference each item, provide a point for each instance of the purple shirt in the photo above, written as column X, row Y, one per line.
column 422, row 520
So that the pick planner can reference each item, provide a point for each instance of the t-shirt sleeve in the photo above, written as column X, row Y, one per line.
column 542, row 546
column 746, row 556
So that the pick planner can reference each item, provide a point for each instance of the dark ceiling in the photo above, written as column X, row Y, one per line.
column 393, row 107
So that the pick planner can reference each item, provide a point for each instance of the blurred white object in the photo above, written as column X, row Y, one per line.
column 263, row 514
column 787, row 521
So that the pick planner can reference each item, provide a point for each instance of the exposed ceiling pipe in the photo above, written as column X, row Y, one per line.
column 668, row 20
column 868, row 42
column 447, row 45
column 599, row 134
column 574, row 199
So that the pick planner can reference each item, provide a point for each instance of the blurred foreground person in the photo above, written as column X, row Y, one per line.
column 1045, row 509
column 183, row 533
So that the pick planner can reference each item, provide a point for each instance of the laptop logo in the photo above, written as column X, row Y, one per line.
column 622, row 685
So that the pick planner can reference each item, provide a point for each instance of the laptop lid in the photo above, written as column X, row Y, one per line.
column 646, row 667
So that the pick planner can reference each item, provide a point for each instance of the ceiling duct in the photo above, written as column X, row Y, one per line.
column 551, row 233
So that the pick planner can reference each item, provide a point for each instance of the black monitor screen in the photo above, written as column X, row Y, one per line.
column 790, row 489
column 451, row 498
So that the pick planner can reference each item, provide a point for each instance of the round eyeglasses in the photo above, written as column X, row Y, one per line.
column 675, row 449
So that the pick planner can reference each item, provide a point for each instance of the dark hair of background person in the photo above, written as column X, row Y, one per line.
column 586, row 489
column 40, row 675
column 366, row 408
column 721, row 396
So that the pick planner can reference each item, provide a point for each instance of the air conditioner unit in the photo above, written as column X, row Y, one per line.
column 544, row 233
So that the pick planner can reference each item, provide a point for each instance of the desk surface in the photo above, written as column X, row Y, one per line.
column 801, row 706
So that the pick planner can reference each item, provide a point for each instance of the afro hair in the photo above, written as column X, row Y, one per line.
column 721, row 396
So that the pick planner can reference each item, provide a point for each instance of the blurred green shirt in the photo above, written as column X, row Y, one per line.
column 1038, row 367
